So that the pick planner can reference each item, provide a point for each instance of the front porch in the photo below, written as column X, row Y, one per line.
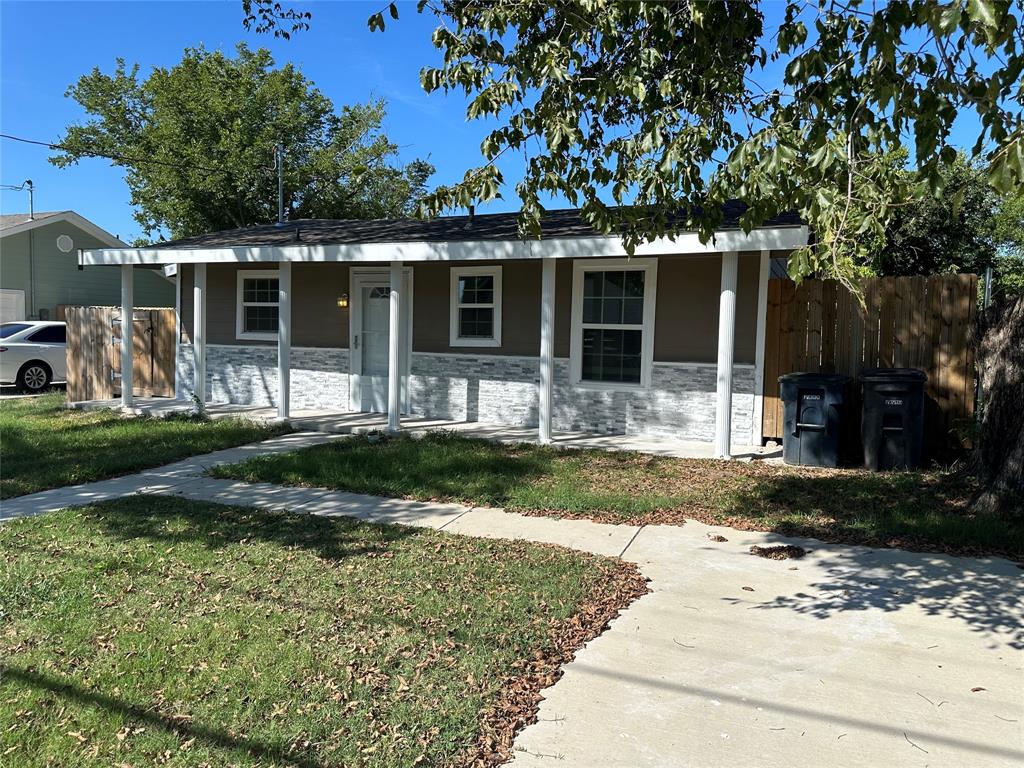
column 313, row 420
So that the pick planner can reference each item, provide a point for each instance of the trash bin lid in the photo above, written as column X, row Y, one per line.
column 895, row 375
column 812, row 379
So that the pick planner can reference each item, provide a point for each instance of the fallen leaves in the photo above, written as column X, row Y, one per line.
column 780, row 552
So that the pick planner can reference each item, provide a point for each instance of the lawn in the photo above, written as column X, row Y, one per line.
column 46, row 446
column 915, row 510
column 159, row 631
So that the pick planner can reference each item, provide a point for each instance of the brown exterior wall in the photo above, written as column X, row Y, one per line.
column 317, row 320
column 686, row 315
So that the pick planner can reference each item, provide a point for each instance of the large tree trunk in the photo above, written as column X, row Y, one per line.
column 999, row 456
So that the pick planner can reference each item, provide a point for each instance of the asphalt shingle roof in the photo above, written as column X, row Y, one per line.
column 14, row 219
column 492, row 226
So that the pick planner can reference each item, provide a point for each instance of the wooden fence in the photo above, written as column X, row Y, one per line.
column 94, row 352
column 906, row 322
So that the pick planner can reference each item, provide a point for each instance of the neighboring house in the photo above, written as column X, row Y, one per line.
column 564, row 333
column 39, row 268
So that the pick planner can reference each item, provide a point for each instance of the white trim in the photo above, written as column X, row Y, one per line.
column 759, row 341
column 199, row 312
column 700, row 365
column 177, row 337
column 650, row 269
column 75, row 220
column 247, row 274
column 454, row 340
column 768, row 238
column 396, row 371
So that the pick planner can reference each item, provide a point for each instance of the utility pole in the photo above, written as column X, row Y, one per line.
column 279, row 163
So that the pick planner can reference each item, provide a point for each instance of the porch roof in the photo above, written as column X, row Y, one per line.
column 482, row 236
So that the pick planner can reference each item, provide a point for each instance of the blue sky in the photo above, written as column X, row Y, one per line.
column 46, row 46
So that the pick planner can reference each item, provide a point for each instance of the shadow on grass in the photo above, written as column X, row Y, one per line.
column 918, row 511
column 213, row 526
column 138, row 714
column 439, row 466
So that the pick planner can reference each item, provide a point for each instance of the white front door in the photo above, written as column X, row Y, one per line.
column 370, row 338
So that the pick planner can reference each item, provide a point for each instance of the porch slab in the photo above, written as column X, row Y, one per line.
column 338, row 422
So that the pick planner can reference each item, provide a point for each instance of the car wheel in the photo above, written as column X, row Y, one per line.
column 34, row 376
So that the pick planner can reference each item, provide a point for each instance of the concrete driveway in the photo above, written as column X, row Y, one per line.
column 850, row 656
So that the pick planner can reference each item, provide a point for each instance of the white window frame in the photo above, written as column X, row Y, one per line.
column 240, row 305
column 650, row 269
column 454, row 340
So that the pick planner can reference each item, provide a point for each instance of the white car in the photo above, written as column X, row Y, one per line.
column 33, row 354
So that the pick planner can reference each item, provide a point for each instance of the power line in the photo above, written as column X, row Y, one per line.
column 116, row 157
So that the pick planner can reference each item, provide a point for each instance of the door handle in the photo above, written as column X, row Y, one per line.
column 357, row 340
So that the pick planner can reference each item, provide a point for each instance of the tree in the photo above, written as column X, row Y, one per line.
column 197, row 142
column 658, row 106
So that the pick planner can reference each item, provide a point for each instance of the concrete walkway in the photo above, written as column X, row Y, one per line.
column 849, row 657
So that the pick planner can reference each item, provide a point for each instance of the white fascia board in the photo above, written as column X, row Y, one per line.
column 75, row 220
column 769, row 238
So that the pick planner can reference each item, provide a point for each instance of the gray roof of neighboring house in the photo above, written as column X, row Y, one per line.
column 491, row 226
column 8, row 220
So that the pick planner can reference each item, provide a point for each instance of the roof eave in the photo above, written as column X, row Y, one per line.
column 763, row 238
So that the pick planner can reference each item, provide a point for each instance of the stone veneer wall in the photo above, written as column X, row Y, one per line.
column 493, row 389
column 247, row 375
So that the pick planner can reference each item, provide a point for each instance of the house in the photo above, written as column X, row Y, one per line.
column 458, row 318
column 39, row 267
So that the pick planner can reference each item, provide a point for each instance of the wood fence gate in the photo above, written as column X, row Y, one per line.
column 94, row 352
column 906, row 322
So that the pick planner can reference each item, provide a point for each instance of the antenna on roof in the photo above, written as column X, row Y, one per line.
column 279, row 164
column 27, row 184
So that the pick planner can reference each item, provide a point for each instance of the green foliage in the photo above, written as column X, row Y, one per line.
column 197, row 141
column 157, row 631
column 658, row 105
column 916, row 509
column 47, row 446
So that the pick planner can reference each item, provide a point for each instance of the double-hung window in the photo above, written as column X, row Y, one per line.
column 613, row 322
column 257, row 304
column 475, row 307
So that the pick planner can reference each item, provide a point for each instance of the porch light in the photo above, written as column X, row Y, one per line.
column 343, row 301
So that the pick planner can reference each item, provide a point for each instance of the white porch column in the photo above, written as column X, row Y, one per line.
column 762, row 324
column 199, row 333
column 726, row 337
column 394, row 344
column 284, row 339
column 177, row 333
column 547, row 348
column 127, row 340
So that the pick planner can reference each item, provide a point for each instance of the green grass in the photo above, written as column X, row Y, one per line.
column 919, row 510
column 158, row 631
column 46, row 446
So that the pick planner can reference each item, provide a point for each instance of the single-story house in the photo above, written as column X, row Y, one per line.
column 458, row 318
column 39, row 268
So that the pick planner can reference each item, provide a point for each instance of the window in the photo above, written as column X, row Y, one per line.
column 257, row 304
column 613, row 322
column 9, row 329
column 50, row 334
column 476, row 307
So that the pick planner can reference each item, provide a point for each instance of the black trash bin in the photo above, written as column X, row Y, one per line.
column 892, row 420
column 814, row 410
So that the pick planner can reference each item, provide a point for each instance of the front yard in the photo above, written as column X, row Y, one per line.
column 159, row 631
column 914, row 510
column 46, row 446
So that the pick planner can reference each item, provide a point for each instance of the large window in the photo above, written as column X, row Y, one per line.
column 613, row 322
column 257, row 304
column 476, row 307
